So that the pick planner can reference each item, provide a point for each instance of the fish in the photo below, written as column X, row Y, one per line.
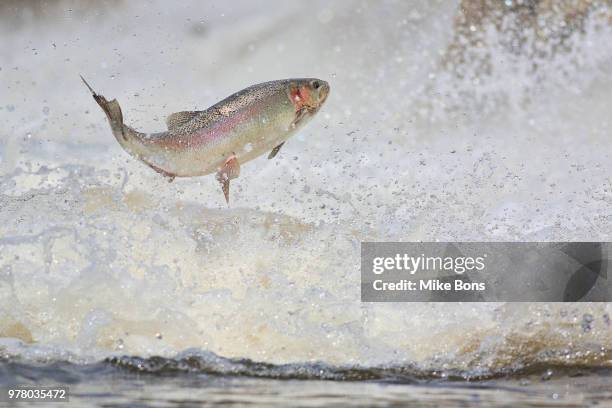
column 245, row 125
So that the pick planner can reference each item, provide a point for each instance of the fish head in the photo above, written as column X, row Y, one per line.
column 308, row 93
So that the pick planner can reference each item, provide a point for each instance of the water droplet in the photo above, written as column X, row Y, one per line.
column 325, row 16
column 587, row 320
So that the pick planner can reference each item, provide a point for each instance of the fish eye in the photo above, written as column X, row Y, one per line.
column 315, row 84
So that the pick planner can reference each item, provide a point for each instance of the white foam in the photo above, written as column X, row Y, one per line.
column 99, row 256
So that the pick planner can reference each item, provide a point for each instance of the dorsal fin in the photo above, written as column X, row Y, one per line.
column 178, row 119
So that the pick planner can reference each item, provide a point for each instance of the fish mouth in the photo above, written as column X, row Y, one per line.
column 322, row 97
column 323, row 93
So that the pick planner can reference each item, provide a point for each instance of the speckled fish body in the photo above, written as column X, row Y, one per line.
column 245, row 125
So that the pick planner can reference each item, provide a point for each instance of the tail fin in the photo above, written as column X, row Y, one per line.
column 113, row 113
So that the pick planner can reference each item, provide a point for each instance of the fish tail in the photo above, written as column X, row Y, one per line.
column 113, row 113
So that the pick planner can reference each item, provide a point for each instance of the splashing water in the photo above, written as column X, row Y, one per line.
column 100, row 257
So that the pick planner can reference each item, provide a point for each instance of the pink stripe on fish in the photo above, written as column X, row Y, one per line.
column 204, row 136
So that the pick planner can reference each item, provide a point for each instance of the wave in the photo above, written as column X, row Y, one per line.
column 546, row 366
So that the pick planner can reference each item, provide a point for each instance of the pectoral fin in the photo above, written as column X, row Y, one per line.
column 178, row 119
column 299, row 115
column 274, row 151
column 230, row 170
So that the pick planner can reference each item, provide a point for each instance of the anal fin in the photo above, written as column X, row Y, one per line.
column 274, row 151
column 161, row 171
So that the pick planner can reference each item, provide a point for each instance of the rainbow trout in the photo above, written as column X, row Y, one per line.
column 241, row 127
